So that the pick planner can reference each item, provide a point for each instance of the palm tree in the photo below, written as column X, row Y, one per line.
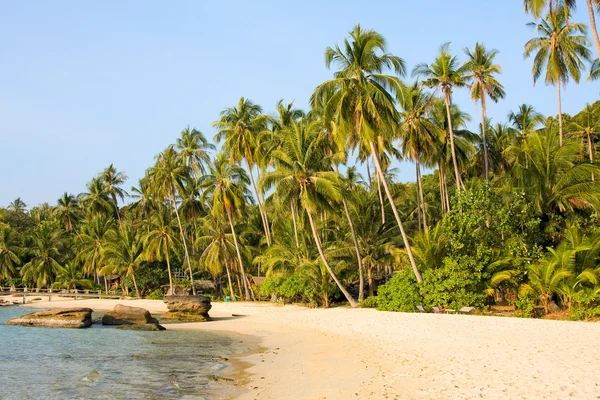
column 559, row 50
column 445, row 74
column 225, row 186
column 97, row 199
column 17, row 206
column 587, row 125
column 68, row 211
column 240, row 126
column 45, row 252
column 481, row 72
column 91, row 240
column 71, row 277
column 160, row 241
column 144, row 204
column 526, row 120
column 9, row 252
column 124, row 253
column 113, row 180
column 303, row 174
column 194, row 149
column 359, row 101
column 168, row 178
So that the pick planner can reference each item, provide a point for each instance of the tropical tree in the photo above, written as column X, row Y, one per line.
column 45, row 252
column 445, row 74
column 560, row 49
column 97, row 200
column 526, row 120
column 168, row 178
column 359, row 101
column 93, row 236
column 481, row 72
column 68, row 211
column 586, row 125
column 113, row 180
column 240, row 127
column 160, row 242
column 71, row 277
column 225, row 186
column 194, row 149
column 17, row 206
column 124, row 253
column 9, row 252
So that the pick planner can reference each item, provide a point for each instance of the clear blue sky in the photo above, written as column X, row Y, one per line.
column 86, row 84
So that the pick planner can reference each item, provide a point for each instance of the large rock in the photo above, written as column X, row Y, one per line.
column 125, row 315
column 187, row 308
column 63, row 318
column 144, row 327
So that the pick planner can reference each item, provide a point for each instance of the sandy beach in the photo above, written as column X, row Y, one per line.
column 342, row 353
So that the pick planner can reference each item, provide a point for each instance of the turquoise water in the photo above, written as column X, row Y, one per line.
column 106, row 363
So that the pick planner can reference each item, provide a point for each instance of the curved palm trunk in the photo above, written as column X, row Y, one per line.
column 448, row 102
column 231, row 292
column 420, row 188
column 361, row 283
column 483, row 134
column 295, row 225
column 187, row 254
column 137, row 291
column 169, row 271
column 560, row 119
column 263, row 216
column 239, row 255
column 593, row 26
column 590, row 150
column 313, row 227
column 262, row 199
column 413, row 264
column 381, row 202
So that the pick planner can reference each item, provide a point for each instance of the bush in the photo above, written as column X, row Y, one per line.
column 401, row 293
column 156, row 295
column 587, row 307
column 525, row 307
column 370, row 302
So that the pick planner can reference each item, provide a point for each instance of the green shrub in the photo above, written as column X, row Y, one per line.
column 525, row 307
column 586, row 308
column 155, row 295
column 370, row 302
column 401, row 293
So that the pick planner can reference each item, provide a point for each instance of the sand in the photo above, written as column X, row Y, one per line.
column 343, row 353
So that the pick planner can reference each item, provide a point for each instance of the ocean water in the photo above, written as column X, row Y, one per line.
column 107, row 363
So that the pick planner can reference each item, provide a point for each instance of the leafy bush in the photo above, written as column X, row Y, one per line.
column 155, row 295
column 525, row 307
column 401, row 293
column 587, row 307
column 370, row 302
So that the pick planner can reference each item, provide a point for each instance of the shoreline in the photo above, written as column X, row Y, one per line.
column 305, row 353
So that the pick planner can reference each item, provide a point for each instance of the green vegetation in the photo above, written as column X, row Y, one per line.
column 505, row 215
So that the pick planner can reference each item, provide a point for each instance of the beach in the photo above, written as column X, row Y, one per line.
column 343, row 353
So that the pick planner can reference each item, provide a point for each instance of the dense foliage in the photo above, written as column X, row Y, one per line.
column 507, row 214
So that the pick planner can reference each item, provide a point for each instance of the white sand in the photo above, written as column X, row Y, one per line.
column 365, row 354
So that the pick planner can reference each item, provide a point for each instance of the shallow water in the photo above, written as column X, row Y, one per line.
column 106, row 363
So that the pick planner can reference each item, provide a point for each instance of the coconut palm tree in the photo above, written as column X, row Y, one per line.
column 68, row 211
column 526, row 120
column 559, row 49
column 9, row 252
column 124, row 253
column 194, row 149
column 586, row 125
column 93, row 236
column 225, row 187
column 144, row 203
column 17, row 206
column 360, row 102
column 160, row 242
column 168, row 178
column 303, row 174
column 45, row 252
column 113, row 180
column 240, row 127
column 71, row 277
column 96, row 200
column 481, row 72
column 445, row 74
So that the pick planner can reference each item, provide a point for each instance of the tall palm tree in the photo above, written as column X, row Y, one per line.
column 124, row 253
column 194, row 149
column 168, row 178
column 113, row 180
column 9, row 252
column 445, row 74
column 144, row 203
column 17, row 206
column 587, row 125
column 559, row 49
column 161, row 241
column 67, row 211
column 481, row 72
column 45, row 252
column 97, row 200
column 240, row 127
column 90, row 241
column 303, row 174
column 526, row 120
column 360, row 101
column 71, row 277
column 225, row 186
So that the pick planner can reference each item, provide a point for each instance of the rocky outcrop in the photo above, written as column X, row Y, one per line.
column 144, row 327
column 63, row 318
column 135, row 318
column 187, row 308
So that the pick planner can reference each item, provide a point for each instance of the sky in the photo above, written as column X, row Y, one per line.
column 87, row 84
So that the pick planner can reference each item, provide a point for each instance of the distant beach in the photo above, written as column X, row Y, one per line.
column 343, row 353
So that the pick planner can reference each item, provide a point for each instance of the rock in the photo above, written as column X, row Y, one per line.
column 183, row 317
column 553, row 307
column 178, row 291
column 63, row 318
column 144, row 327
column 198, row 305
column 125, row 315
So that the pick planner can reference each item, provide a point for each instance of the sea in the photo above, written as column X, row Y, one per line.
column 107, row 363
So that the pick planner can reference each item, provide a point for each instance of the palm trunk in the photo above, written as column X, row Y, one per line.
column 420, row 187
column 442, row 194
column 447, row 193
column 590, row 150
column 361, row 283
column 260, row 208
column 313, row 227
column 370, row 279
column 451, row 133
column 239, row 255
column 485, row 150
column 169, row 271
column 295, row 225
column 413, row 264
column 262, row 199
column 593, row 26
column 369, row 173
column 187, row 254
column 137, row 291
column 381, row 202
column 231, row 293
column 560, row 119
column 240, row 286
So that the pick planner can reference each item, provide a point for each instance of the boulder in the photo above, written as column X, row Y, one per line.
column 63, row 318
column 183, row 317
column 198, row 305
column 178, row 291
column 125, row 315
column 144, row 327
